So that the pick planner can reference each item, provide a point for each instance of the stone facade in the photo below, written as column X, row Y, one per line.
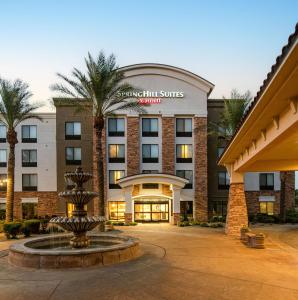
column 168, row 145
column 128, row 218
column 133, row 146
column 176, row 218
column 237, row 211
column 200, row 169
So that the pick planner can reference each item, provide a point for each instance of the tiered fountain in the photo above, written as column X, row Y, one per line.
column 78, row 249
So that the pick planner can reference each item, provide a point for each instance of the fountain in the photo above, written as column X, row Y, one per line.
column 78, row 249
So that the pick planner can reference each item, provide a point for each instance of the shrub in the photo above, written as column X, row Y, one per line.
column 1, row 226
column 133, row 224
column 292, row 216
column 2, row 214
column 33, row 225
column 264, row 218
column 218, row 219
column 216, row 225
column 12, row 229
column 109, row 222
column 26, row 231
column 118, row 223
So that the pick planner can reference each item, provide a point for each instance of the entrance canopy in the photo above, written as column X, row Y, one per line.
column 152, row 178
column 267, row 138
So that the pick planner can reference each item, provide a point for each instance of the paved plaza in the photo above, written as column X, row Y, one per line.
column 178, row 263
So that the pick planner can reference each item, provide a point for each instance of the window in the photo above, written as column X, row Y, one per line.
column 223, row 181
column 116, row 126
column 2, row 134
column 150, row 171
column 183, row 153
column 186, row 209
column 117, row 153
column 266, row 207
column 71, row 207
column 149, row 186
column 266, row 181
column 29, row 158
column 220, row 151
column 114, row 175
column 73, row 156
column 116, row 210
column 29, row 182
column 29, row 211
column 149, row 127
column 150, row 153
column 72, row 130
column 29, row 133
column 3, row 182
column 187, row 174
column 3, row 158
column 219, row 208
column 184, row 127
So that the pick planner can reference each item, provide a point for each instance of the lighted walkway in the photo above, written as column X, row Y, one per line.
column 179, row 263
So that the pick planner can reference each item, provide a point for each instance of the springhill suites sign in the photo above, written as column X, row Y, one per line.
column 154, row 97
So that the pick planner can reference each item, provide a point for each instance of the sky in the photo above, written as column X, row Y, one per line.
column 230, row 43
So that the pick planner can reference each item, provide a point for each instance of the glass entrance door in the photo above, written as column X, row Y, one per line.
column 152, row 211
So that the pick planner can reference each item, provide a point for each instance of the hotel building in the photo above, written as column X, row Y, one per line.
column 158, row 166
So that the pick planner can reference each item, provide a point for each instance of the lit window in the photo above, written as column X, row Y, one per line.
column 70, row 208
column 223, row 180
column 266, row 207
column 115, row 175
column 72, row 130
column 29, row 182
column 184, row 127
column 3, row 182
column 29, row 158
column 187, row 174
column 73, row 156
column 29, row 133
column 267, row 181
column 2, row 133
column 116, row 210
column 150, row 153
column 149, row 127
column 183, row 153
column 116, row 126
column 117, row 153
column 3, row 158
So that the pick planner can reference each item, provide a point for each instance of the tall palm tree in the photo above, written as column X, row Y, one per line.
column 104, row 87
column 14, row 108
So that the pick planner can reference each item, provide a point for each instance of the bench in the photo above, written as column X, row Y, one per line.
column 253, row 240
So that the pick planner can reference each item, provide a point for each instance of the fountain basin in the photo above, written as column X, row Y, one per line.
column 55, row 252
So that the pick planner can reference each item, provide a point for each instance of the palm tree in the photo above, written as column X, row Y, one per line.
column 14, row 108
column 104, row 87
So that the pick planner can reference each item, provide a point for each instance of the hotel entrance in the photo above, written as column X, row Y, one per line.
column 151, row 211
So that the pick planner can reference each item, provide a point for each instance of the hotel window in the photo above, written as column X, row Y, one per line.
column 29, row 210
column 29, row 182
column 186, row 209
column 2, row 134
column 150, row 186
column 29, row 158
column 184, row 153
column 220, row 151
column 266, row 181
column 223, row 180
column 266, row 207
column 187, row 174
column 149, row 127
column 184, row 127
column 72, row 130
column 117, row 153
column 3, row 158
column 3, row 182
column 116, row 126
column 115, row 175
column 150, row 171
column 116, row 210
column 150, row 153
column 73, row 156
column 29, row 133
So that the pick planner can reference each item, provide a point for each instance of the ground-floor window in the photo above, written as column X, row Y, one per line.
column 70, row 208
column 152, row 212
column 116, row 210
column 267, row 207
column 186, row 209
column 219, row 208
column 29, row 210
column 2, row 211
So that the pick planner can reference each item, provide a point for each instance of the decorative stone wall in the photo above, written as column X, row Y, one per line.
column 236, row 211
column 200, row 169
column 133, row 146
column 47, row 203
column 289, row 189
column 168, row 145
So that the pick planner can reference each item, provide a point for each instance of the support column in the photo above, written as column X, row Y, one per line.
column 237, row 210
column 128, row 204
column 176, row 205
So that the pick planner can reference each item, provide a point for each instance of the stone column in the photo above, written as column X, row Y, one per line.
column 168, row 145
column 133, row 146
column 237, row 210
column 176, row 205
column 128, row 203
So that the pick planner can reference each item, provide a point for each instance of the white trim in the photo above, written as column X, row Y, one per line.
column 266, row 198
column 30, row 200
